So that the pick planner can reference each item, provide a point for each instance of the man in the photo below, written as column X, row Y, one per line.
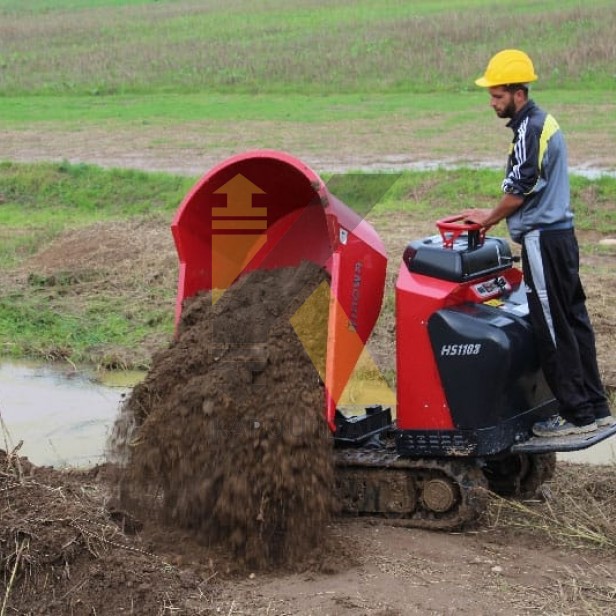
column 535, row 203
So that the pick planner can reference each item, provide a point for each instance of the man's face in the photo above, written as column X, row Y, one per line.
column 503, row 102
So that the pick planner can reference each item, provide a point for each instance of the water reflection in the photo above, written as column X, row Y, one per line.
column 62, row 417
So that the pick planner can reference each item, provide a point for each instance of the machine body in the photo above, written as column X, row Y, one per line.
column 469, row 383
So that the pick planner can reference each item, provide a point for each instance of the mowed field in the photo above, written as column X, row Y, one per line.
column 306, row 46
column 177, row 85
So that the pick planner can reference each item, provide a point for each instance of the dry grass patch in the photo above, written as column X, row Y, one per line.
column 577, row 509
column 62, row 552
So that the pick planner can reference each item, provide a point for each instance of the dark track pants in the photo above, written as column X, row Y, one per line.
column 564, row 334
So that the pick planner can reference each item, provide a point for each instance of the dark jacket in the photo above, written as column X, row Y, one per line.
column 537, row 170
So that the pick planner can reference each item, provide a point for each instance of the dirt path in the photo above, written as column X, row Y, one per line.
column 387, row 143
column 402, row 572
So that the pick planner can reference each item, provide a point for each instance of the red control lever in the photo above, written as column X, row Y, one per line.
column 452, row 227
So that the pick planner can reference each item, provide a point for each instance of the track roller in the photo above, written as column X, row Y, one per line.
column 439, row 495
column 519, row 475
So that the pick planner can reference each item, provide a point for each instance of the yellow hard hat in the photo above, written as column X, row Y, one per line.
column 508, row 66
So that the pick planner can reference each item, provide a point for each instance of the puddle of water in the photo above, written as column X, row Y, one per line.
column 120, row 378
column 63, row 419
column 401, row 162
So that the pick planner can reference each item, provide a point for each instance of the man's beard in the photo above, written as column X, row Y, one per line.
column 508, row 111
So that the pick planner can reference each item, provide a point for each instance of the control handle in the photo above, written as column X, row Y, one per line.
column 452, row 227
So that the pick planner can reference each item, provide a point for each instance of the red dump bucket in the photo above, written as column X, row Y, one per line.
column 265, row 209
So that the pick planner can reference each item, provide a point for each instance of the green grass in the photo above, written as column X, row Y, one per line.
column 168, row 109
column 197, row 75
column 89, row 316
column 594, row 203
column 34, row 323
column 162, row 109
column 305, row 47
column 58, row 195
column 41, row 199
column 443, row 192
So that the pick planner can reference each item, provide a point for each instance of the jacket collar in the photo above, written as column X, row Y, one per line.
column 515, row 122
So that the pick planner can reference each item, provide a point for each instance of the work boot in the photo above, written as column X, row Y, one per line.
column 559, row 426
column 603, row 414
column 604, row 422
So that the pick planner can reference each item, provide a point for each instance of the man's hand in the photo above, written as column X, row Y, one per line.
column 508, row 204
column 478, row 216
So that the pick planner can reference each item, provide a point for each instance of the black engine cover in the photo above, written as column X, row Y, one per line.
column 494, row 386
column 488, row 365
column 460, row 263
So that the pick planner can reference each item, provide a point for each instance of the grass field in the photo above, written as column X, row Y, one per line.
column 88, row 269
column 305, row 46
column 336, row 81
column 96, row 80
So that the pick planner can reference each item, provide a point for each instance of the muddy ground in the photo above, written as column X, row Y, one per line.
column 68, row 548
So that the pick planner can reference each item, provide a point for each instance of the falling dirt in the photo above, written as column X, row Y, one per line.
column 226, row 435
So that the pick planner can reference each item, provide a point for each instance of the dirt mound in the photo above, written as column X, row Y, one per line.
column 226, row 435
column 109, row 246
column 61, row 551
column 82, row 273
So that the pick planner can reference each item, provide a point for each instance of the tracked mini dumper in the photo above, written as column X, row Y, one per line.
column 469, row 384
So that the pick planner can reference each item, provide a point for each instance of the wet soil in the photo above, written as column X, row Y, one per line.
column 226, row 436
column 66, row 550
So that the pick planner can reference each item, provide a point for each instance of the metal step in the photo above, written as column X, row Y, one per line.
column 575, row 442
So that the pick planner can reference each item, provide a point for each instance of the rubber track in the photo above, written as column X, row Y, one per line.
column 469, row 478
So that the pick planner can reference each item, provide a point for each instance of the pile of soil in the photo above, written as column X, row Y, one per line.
column 62, row 552
column 226, row 435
